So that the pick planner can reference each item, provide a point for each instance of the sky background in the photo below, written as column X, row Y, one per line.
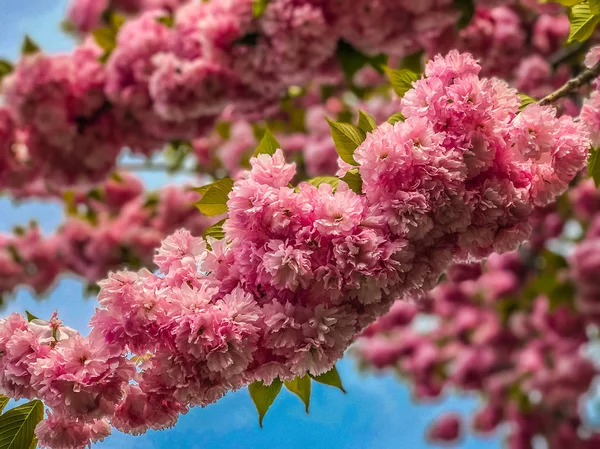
column 377, row 412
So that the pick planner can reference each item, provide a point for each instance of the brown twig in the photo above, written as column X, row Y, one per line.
column 585, row 77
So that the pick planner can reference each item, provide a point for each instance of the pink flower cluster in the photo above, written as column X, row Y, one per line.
column 81, row 379
column 505, row 36
column 519, row 43
column 497, row 163
column 301, row 270
column 114, row 225
column 514, row 330
column 164, row 83
column 590, row 117
column 584, row 260
column 590, row 112
column 28, row 258
column 521, row 352
column 87, row 15
column 59, row 106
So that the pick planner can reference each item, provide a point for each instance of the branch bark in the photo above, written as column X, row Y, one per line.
column 585, row 77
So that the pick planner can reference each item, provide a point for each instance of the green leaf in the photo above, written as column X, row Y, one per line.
column 105, row 37
column 3, row 401
column 413, row 62
column 68, row 27
column 344, row 116
column 34, row 443
column 175, row 155
column 401, row 80
column 223, row 130
column 594, row 6
column 14, row 254
column 300, row 386
column 95, row 194
column 91, row 289
column 331, row 378
column 168, row 21
column 6, row 67
column 70, row 203
column 116, row 21
column 268, row 144
column 548, row 282
column 215, row 231
column 18, row 424
column 351, row 60
column 395, row 118
column 347, row 138
column 259, row 7
column 526, row 100
column 214, row 197
column 30, row 316
column 116, row 176
column 152, row 200
column 366, row 122
column 378, row 62
column 467, row 11
column 263, row 396
column 568, row 3
column 354, row 181
column 593, row 166
column 331, row 180
column 582, row 23
column 29, row 46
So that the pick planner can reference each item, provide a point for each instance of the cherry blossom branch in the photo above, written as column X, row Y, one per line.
column 572, row 85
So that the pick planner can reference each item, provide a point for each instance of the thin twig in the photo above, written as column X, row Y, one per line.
column 585, row 77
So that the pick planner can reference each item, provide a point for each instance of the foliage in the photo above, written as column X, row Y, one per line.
column 264, row 396
column 17, row 424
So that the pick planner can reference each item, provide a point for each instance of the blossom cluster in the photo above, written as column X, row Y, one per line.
column 163, row 83
column 112, row 226
column 590, row 112
column 584, row 259
column 166, row 82
column 516, row 44
column 513, row 329
column 522, row 353
column 73, row 375
column 301, row 270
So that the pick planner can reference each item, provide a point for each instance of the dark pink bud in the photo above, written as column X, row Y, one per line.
column 444, row 429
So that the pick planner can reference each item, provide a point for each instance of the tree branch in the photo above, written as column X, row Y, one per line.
column 585, row 77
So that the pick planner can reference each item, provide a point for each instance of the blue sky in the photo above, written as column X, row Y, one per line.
column 377, row 411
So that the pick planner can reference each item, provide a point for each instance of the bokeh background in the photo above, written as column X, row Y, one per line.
column 377, row 411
